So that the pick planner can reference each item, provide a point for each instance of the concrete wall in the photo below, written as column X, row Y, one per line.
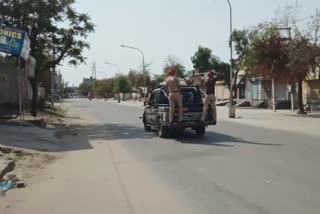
column 312, row 90
column 259, row 90
column 9, row 92
column 312, row 94
column 222, row 92
column 9, row 85
column 282, row 92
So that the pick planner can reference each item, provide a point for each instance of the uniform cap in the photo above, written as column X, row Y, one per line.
column 210, row 74
column 172, row 71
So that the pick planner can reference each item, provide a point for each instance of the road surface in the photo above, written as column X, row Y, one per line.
column 117, row 167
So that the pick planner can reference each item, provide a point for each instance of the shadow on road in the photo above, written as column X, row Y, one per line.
column 45, row 140
column 73, row 138
column 114, row 132
column 312, row 115
column 81, row 137
column 126, row 132
column 216, row 139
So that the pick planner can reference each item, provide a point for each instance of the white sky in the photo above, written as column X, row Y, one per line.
column 163, row 27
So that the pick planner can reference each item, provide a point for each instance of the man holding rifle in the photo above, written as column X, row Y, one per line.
column 210, row 89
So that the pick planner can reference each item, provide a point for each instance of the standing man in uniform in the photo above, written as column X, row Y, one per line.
column 175, row 97
column 210, row 88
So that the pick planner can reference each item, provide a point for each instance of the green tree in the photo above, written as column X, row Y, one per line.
column 301, row 61
column 132, row 78
column 314, row 32
column 174, row 62
column 159, row 78
column 314, row 28
column 121, row 85
column 104, row 87
column 84, row 89
column 223, row 69
column 202, row 59
column 136, row 79
column 267, row 54
column 240, row 40
column 51, row 40
column 288, row 60
column 144, row 79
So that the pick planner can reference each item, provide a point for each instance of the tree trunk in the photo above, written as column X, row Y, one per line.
column 232, row 113
column 300, row 97
column 34, row 101
column 234, row 85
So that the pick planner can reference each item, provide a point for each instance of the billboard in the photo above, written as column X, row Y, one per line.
column 14, row 42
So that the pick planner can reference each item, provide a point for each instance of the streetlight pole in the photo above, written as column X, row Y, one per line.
column 232, row 113
column 115, row 65
column 143, row 64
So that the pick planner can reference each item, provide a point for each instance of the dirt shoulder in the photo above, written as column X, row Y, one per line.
column 27, row 150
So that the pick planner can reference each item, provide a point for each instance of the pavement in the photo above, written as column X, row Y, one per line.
column 31, row 138
column 114, row 166
column 285, row 120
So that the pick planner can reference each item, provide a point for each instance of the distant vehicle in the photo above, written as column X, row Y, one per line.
column 156, row 112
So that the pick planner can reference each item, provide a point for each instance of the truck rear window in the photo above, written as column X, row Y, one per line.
column 190, row 96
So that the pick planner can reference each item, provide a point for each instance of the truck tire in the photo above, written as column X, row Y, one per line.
column 163, row 132
column 145, row 125
column 200, row 131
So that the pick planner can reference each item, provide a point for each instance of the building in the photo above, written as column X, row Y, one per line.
column 259, row 93
column 9, row 85
column 311, row 91
column 89, row 81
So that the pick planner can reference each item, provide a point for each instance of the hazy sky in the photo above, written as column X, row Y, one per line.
column 165, row 27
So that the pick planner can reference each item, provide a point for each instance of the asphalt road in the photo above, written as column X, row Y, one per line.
column 233, row 169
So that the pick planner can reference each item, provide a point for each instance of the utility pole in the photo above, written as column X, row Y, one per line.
column 232, row 109
column 317, row 26
column 94, row 70
column 53, row 74
column 274, row 105
column 292, row 87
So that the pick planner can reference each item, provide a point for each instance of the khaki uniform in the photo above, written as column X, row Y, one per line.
column 210, row 100
column 174, row 98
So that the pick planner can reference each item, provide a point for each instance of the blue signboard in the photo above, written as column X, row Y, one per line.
column 11, row 40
